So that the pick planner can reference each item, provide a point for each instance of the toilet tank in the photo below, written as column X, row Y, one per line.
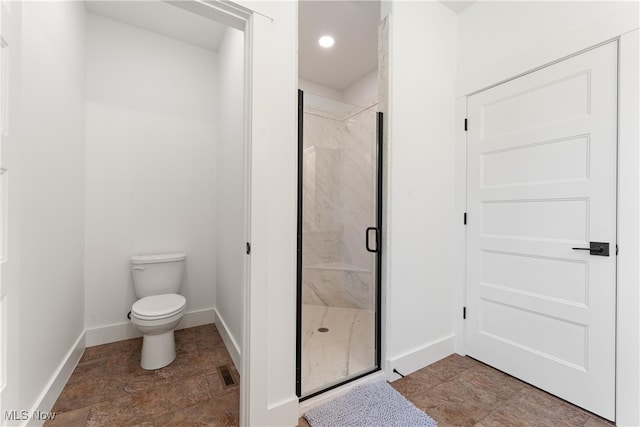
column 157, row 274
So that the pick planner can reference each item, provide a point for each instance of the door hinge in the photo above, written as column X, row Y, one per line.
column 616, row 249
column 465, row 124
column 248, row 248
column 464, row 219
column 464, row 313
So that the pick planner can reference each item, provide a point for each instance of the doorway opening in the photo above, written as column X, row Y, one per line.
column 168, row 147
column 339, row 223
column 339, row 196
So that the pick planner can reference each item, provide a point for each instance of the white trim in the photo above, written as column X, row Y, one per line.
column 628, row 318
column 245, row 292
column 197, row 318
column 227, row 13
column 58, row 380
column 546, row 65
column 384, row 106
column 254, row 382
column 125, row 330
column 282, row 410
column 269, row 303
column 422, row 356
column 460, row 229
column 241, row 18
column 229, row 341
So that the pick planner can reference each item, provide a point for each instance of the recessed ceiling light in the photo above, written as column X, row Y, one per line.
column 326, row 41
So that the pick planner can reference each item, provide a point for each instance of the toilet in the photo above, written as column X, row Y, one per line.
column 157, row 280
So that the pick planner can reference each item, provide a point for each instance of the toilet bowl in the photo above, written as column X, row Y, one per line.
column 157, row 278
column 155, row 317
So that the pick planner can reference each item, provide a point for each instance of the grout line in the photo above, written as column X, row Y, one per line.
column 501, row 404
column 86, row 421
column 481, row 365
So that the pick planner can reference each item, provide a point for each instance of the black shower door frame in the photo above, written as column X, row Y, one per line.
column 378, row 255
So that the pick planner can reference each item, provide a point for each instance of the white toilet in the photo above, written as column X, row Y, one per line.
column 157, row 280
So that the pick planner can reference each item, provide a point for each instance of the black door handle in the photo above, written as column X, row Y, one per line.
column 377, row 239
column 596, row 248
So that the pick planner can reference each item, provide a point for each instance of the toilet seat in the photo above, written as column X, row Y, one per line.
column 158, row 306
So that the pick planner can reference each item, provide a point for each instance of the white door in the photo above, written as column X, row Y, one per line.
column 541, row 180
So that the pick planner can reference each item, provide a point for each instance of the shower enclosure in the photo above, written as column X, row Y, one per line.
column 339, row 222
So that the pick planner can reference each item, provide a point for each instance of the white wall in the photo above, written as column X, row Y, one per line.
column 151, row 110
column 362, row 93
column 51, row 187
column 420, row 162
column 320, row 90
column 230, row 237
column 501, row 39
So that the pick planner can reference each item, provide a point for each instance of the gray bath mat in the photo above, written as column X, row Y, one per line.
column 377, row 404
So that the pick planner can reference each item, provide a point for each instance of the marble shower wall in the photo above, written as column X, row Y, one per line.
column 338, row 197
column 359, row 186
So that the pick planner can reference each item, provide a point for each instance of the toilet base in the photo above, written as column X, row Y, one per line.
column 158, row 350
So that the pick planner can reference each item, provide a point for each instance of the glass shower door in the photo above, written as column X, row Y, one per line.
column 339, row 221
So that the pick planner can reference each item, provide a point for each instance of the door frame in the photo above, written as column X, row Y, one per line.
column 240, row 18
column 628, row 208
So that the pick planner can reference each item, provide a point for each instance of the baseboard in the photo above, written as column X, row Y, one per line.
column 57, row 382
column 232, row 345
column 284, row 413
column 198, row 318
column 422, row 356
column 125, row 330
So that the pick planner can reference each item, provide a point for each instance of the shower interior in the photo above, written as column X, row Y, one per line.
column 338, row 273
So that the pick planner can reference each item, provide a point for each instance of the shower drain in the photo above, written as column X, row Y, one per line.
column 323, row 329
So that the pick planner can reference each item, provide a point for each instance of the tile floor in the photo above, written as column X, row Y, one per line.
column 459, row 391
column 109, row 388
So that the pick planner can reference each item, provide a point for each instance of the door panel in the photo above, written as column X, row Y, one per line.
column 564, row 159
column 541, row 181
column 536, row 106
column 537, row 219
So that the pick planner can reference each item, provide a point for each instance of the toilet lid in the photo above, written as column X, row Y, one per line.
column 158, row 305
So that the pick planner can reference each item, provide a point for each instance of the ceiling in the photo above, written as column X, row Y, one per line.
column 458, row 5
column 354, row 26
column 163, row 18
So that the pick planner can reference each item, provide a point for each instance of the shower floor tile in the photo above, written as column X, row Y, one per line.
column 346, row 348
column 108, row 387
